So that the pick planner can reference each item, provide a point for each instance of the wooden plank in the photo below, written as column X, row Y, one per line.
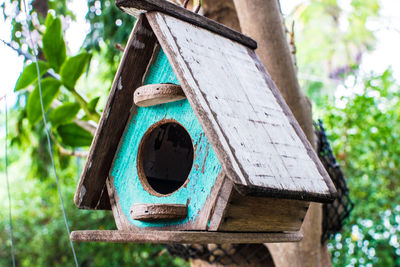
column 293, row 122
column 254, row 135
column 201, row 180
column 158, row 212
column 91, row 192
column 156, row 94
column 186, row 237
column 117, row 214
column 221, row 205
column 260, row 214
column 135, row 7
column 206, row 213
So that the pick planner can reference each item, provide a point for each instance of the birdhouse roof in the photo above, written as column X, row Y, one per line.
column 255, row 136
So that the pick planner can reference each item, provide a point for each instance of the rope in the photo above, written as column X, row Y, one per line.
column 8, row 187
column 33, row 47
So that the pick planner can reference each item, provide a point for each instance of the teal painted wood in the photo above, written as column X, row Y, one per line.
column 206, row 166
column 161, row 71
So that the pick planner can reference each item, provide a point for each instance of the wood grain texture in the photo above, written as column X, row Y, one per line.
column 91, row 192
column 185, row 237
column 252, row 131
column 158, row 212
column 206, row 213
column 135, row 7
column 128, row 188
column 259, row 214
column 118, row 218
column 221, row 204
column 156, row 94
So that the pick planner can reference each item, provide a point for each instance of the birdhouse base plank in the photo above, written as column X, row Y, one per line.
column 184, row 237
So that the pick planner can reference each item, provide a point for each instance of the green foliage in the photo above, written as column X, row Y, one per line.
column 74, row 135
column 29, row 75
column 39, row 231
column 50, row 89
column 64, row 113
column 73, row 68
column 364, row 129
column 331, row 38
column 110, row 26
column 93, row 103
column 53, row 43
column 64, row 74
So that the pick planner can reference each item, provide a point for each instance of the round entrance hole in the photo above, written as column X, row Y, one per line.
column 165, row 158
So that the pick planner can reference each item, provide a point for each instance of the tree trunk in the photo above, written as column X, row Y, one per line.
column 261, row 20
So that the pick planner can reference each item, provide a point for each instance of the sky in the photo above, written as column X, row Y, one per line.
column 387, row 31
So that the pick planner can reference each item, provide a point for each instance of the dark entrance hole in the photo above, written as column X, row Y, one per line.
column 165, row 157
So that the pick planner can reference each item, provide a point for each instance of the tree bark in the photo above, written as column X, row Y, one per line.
column 262, row 20
column 222, row 11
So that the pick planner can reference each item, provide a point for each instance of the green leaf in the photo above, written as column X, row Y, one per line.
column 49, row 20
column 73, row 69
column 93, row 103
column 50, row 89
column 74, row 135
column 64, row 113
column 53, row 44
column 29, row 75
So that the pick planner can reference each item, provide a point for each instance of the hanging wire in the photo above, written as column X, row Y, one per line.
column 34, row 50
column 8, row 186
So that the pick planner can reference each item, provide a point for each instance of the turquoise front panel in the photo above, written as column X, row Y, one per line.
column 205, row 165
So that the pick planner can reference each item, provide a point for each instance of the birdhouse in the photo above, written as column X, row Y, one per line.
column 196, row 144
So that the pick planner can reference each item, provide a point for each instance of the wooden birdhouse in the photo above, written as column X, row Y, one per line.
column 196, row 144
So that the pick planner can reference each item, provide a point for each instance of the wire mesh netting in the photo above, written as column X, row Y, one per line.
column 225, row 254
column 334, row 213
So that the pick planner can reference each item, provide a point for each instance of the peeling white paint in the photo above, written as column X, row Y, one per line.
column 138, row 45
column 133, row 11
column 119, row 85
column 82, row 194
column 250, row 124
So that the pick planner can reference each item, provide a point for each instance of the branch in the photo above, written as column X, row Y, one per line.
column 119, row 47
column 18, row 50
column 65, row 152
column 87, row 126
column 93, row 115
column 84, row 124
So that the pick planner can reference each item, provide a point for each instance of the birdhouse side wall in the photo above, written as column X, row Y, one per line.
column 262, row 214
column 125, row 186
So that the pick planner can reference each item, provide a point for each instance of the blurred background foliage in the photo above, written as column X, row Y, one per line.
column 360, row 112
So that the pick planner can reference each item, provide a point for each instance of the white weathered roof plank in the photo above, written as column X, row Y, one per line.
column 253, row 133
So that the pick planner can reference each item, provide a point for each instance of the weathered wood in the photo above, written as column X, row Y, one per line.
column 202, row 182
column 91, row 192
column 135, row 7
column 259, row 214
column 206, row 213
column 117, row 214
column 221, row 204
column 158, row 212
column 186, row 237
column 252, row 131
column 155, row 94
